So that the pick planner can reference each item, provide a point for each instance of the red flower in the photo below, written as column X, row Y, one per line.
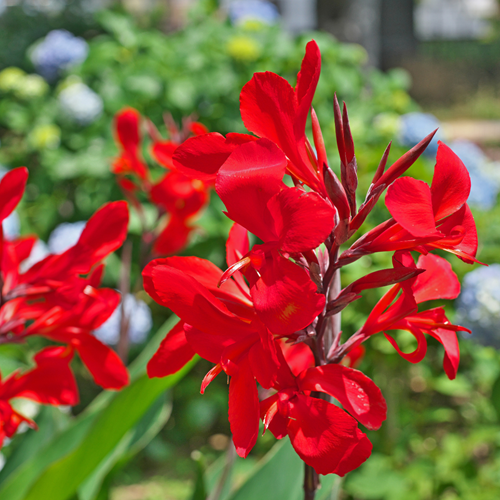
column 288, row 220
column 50, row 382
column 426, row 218
column 322, row 434
column 438, row 281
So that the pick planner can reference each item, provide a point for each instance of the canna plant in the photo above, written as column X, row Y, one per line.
column 272, row 320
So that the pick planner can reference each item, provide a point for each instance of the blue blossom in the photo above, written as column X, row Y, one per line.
column 478, row 305
column 140, row 322
column 242, row 11
column 80, row 103
column 64, row 236
column 58, row 51
column 415, row 126
column 485, row 181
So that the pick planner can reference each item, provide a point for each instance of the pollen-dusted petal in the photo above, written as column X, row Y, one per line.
column 409, row 201
column 285, row 298
column 451, row 183
column 307, row 219
column 355, row 391
column 251, row 176
column 326, row 437
column 172, row 354
column 11, row 190
column 244, row 409
column 437, row 282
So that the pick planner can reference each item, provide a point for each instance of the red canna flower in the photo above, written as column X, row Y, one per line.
column 51, row 382
column 323, row 435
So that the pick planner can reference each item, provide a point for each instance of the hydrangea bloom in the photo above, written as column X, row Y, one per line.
column 485, row 181
column 414, row 126
column 478, row 305
column 80, row 103
column 59, row 50
column 242, row 11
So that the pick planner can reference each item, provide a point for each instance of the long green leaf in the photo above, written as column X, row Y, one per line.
column 62, row 479
column 279, row 476
column 22, row 477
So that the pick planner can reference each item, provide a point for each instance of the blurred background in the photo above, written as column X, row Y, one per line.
column 403, row 67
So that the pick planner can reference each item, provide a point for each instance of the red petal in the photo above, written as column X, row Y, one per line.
column 104, row 233
column 201, row 157
column 237, row 246
column 253, row 173
column 269, row 109
column 179, row 195
column 409, row 201
column 243, row 410
column 190, row 300
column 11, row 190
column 307, row 81
column 465, row 221
column 174, row 236
column 437, row 282
column 448, row 339
column 419, row 353
column 102, row 362
column 451, row 183
column 355, row 391
column 51, row 382
column 325, row 437
column 307, row 220
column 264, row 360
column 127, row 129
column 299, row 357
column 272, row 419
column 163, row 153
column 174, row 352
column 284, row 297
column 209, row 275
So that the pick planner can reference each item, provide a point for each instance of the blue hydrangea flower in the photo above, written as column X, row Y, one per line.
column 64, row 236
column 415, row 126
column 58, row 51
column 478, row 305
column 485, row 184
column 80, row 103
column 140, row 322
column 242, row 11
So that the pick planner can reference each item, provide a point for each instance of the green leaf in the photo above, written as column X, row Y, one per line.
column 133, row 441
column 495, row 396
column 279, row 476
column 105, row 407
column 62, row 479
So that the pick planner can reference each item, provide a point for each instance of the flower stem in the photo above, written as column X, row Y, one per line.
column 311, row 482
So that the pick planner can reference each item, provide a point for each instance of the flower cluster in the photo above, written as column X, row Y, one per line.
column 273, row 317
column 181, row 197
column 57, row 298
